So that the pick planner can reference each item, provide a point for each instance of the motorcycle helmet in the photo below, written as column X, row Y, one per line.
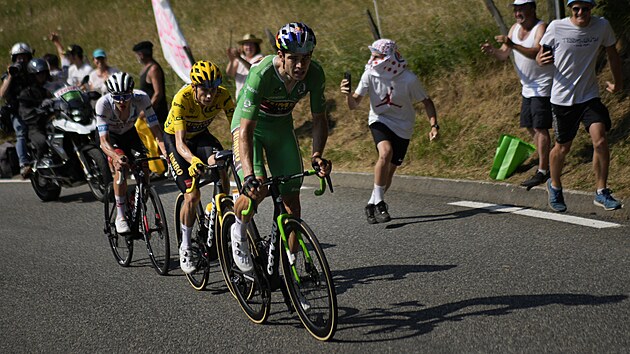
column 296, row 37
column 205, row 74
column 21, row 48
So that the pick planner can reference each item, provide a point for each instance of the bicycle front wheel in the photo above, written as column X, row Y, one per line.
column 155, row 231
column 309, row 281
column 251, row 289
column 198, row 279
column 121, row 247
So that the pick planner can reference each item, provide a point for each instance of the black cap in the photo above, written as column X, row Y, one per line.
column 144, row 46
column 75, row 49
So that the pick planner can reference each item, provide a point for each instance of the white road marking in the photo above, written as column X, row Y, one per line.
column 537, row 214
column 15, row 181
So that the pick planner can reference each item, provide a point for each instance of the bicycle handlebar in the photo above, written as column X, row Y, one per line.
column 122, row 176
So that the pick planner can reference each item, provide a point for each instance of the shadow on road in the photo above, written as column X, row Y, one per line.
column 410, row 319
column 398, row 222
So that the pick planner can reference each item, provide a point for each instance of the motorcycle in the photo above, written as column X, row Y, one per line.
column 74, row 157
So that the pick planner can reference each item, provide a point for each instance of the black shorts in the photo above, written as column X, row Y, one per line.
column 566, row 120
column 536, row 113
column 129, row 143
column 202, row 145
column 380, row 132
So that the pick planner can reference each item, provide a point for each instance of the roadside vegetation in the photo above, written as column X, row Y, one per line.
column 477, row 99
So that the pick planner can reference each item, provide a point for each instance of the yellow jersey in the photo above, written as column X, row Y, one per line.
column 186, row 114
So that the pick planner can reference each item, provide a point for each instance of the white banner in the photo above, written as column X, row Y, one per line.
column 171, row 39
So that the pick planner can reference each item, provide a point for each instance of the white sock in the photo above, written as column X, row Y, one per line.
column 186, row 231
column 600, row 190
column 377, row 194
column 120, row 207
column 238, row 230
column 544, row 172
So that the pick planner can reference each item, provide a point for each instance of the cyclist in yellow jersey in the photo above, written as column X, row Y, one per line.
column 189, row 142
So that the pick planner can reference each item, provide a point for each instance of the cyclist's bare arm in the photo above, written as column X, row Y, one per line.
column 320, row 136
column 157, row 133
column 246, row 149
column 182, row 148
column 109, row 150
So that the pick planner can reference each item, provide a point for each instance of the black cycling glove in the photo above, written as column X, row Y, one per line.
column 250, row 183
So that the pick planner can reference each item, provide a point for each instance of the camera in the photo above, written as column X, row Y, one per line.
column 15, row 69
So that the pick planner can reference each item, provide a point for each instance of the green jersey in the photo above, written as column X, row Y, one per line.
column 264, row 96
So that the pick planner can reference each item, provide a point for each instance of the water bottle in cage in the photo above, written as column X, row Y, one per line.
column 209, row 222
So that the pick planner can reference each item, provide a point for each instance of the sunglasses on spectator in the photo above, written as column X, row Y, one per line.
column 122, row 98
column 576, row 9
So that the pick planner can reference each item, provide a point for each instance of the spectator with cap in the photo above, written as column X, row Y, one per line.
column 102, row 72
column 241, row 59
column 152, row 79
column 78, row 68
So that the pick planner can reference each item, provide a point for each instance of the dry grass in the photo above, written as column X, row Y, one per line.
column 477, row 99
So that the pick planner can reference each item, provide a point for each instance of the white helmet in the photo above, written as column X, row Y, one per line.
column 20, row 48
column 119, row 83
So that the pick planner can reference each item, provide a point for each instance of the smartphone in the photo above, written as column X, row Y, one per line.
column 348, row 77
column 547, row 49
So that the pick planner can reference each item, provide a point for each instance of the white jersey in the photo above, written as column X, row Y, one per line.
column 108, row 117
column 391, row 100
column 575, row 54
column 536, row 80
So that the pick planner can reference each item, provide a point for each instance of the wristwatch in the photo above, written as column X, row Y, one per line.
column 436, row 126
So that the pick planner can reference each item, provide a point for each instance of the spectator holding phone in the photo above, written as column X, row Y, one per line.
column 523, row 40
column 575, row 94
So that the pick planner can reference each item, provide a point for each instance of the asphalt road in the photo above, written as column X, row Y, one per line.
column 438, row 278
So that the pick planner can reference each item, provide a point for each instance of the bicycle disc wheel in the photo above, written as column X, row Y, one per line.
column 121, row 247
column 252, row 289
column 155, row 232
column 199, row 278
column 310, row 282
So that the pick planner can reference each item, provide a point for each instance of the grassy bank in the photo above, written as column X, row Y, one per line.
column 477, row 99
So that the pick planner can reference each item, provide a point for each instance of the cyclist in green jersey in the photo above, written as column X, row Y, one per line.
column 262, row 127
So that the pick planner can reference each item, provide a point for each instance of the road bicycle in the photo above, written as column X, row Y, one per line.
column 306, row 281
column 146, row 218
column 207, row 222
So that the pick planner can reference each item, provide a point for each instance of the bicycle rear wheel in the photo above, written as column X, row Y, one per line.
column 199, row 278
column 155, row 231
column 309, row 282
column 121, row 247
column 252, row 289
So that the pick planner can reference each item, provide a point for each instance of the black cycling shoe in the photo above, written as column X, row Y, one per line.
column 369, row 212
column 537, row 179
column 381, row 215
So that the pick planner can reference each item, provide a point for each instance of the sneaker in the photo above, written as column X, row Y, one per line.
column 369, row 212
column 26, row 171
column 606, row 200
column 240, row 253
column 556, row 199
column 537, row 179
column 122, row 227
column 185, row 261
column 381, row 215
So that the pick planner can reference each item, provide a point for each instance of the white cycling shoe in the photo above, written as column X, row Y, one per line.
column 122, row 227
column 240, row 252
column 185, row 261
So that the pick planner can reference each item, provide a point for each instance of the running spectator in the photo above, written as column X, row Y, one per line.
column 99, row 76
column 524, row 41
column 574, row 43
column 393, row 90
column 152, row 80
column 241, row 59
column 14, row 80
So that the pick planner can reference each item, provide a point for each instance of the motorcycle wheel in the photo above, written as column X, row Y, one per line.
column 98, row 167
column 46, row 189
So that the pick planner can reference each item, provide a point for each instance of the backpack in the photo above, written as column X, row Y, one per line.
column 9, row 163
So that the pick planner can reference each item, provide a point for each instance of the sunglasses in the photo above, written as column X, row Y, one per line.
column 576, row 9
column 122, row 98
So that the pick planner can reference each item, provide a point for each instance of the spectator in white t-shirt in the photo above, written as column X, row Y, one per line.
column 102, row 72
column 393, row 90
column 574, row 44
column 79, row 68
column 240, row 60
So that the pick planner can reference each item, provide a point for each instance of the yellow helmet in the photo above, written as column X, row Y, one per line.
column 206, row 74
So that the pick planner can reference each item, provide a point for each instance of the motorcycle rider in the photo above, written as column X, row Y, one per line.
column 13, row 81
column 116, row 115
column 34, row 104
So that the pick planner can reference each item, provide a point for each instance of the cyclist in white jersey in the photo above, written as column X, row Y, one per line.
column 116, row 115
